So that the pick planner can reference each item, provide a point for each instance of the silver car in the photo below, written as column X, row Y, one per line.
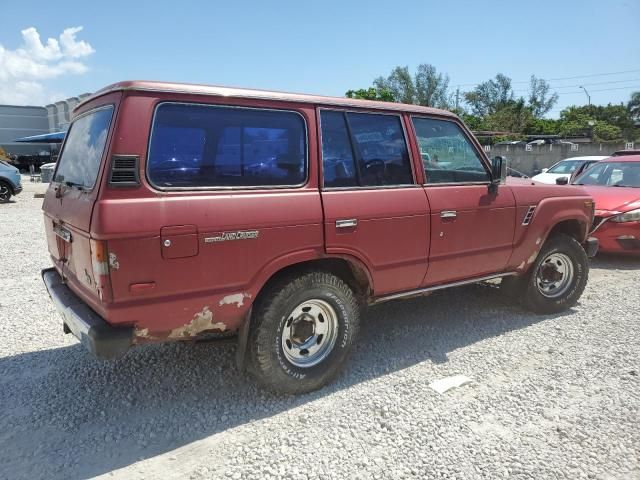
column 9, row 181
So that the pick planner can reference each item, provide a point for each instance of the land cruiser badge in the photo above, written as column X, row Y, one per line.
column 241, row 235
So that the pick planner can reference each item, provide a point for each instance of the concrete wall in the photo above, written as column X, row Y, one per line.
column 546, row 155
column 18, row 121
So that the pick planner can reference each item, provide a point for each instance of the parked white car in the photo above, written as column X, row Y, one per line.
column 564, row 168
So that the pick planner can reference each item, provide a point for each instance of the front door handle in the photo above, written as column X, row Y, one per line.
column 448, row 214
column 350, row 223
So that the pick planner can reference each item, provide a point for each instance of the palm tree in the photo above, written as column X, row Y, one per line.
column 634, row 106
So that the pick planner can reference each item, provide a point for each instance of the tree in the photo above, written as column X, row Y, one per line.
column 4, row 155
column 634, row 106
column 514, row 117
column 399, row 83
column 427, row 87
column 490, row 96
column 432, row 88
column 595, row 118
column 371, row 93
column 540, row 101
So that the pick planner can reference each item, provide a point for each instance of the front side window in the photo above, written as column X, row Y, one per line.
column 213, row 146
column 364, row 149
column 447, row 154
column 615, row 174
column 84, row 146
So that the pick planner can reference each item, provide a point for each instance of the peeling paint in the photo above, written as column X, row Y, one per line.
column 201, row 322
column 521, row 266
column 237, row 298
column 113, row 261
column 144, row 333
column 538, row 241
column 532, row 258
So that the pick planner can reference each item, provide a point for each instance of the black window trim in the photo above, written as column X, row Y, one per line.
column 227, row 188
column 112, row 106
column 463, row 130
column 344, row 111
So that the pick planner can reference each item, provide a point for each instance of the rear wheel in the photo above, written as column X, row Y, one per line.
column 5, row 192
column 302, row 332
column 556, row 279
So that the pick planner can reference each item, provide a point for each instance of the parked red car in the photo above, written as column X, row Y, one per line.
column 615, row 186
column 178, row 212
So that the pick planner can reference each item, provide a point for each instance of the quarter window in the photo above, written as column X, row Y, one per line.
column 363, row 149
column 447, row 154
column 211, row 146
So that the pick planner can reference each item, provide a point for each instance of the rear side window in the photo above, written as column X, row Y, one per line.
column 212, row 146
column 83, row 148
column 447, row 154
column 364, row 149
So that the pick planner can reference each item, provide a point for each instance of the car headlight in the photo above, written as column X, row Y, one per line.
column 632, row 216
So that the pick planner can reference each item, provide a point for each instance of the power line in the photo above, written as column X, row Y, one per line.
column 583, row 85
column 599, row 90
column 591, row 75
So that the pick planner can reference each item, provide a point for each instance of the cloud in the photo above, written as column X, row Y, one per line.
column 23, row 70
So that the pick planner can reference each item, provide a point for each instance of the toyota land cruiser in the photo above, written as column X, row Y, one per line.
column 179, row 212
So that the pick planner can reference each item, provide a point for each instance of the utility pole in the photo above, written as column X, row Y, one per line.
column 457, row 98
column 588, row 96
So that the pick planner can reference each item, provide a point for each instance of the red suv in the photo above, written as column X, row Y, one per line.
column 179, row 212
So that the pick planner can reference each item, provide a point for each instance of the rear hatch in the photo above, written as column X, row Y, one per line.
column 69, row 201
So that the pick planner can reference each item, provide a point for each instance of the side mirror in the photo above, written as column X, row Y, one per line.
column 498, row 173
column 562, row 181
column 544, row 170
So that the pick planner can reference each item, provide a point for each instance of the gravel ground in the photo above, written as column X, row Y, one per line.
column 553, row 396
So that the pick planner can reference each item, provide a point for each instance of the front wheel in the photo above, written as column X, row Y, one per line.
column 556, row 279
column 5, row 192
column 301, row 332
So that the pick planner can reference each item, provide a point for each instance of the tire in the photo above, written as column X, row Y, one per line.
column 556, row 280
column 5, row 192
column 282, row 320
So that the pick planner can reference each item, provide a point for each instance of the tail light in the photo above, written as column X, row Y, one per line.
column 100, row 265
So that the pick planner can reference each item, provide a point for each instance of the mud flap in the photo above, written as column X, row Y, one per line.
column 243, row 336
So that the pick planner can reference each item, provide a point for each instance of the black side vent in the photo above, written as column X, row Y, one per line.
column 124, row 171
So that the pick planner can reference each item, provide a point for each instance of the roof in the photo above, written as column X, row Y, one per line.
column 219, row 91
column 624, row 158
column 587, row 157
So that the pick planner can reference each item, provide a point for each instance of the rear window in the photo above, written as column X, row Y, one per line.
column 83, row 148
column 206, row 146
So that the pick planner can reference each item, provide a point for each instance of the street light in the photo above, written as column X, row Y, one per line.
column 588, row 96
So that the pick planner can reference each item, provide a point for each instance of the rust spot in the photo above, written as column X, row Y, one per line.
column 201, row 322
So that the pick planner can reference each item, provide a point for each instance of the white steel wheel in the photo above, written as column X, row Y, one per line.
column 554, row 275
column 309, row 333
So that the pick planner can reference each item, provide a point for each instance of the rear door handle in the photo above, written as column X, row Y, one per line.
column 350, row 223
column 448, row 214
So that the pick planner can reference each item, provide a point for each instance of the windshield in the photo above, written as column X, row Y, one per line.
column 611, row 174
column 565, row 166
column 83, row 148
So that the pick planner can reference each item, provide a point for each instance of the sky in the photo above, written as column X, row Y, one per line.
column 53, row 50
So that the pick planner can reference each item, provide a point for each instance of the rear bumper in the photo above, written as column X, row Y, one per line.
column 17, row 189
column 591, row 246
column 100, row 338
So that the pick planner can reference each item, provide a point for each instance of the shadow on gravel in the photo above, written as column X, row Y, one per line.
column 616, row 262
column 66, row 415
